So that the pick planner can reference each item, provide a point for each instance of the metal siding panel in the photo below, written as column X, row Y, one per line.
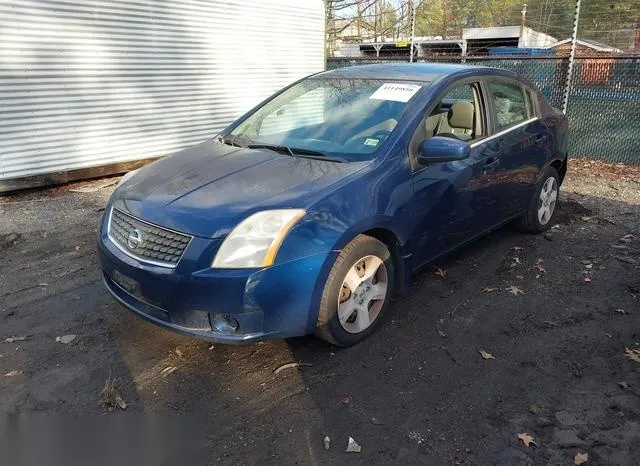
column 88, row 83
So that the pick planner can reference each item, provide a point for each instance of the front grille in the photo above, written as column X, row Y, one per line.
column 145, row 241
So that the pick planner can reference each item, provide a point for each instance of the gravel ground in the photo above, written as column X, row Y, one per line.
column 416, row 392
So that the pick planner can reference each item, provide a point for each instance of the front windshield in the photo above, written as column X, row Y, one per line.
column 347, row 119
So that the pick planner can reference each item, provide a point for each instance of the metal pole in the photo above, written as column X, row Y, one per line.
column 522, row 20
column 574, row 42
column 413, row 29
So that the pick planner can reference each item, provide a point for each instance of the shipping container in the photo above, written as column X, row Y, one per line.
column 91, row 87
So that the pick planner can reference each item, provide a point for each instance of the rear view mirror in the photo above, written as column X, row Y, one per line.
column 443, row 149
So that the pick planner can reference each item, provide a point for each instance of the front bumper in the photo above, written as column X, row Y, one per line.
column 276, row 302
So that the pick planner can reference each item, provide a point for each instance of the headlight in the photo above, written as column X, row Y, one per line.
column 255, row 241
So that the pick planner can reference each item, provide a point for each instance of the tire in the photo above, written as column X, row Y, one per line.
column 533, row 221
column 366, row 302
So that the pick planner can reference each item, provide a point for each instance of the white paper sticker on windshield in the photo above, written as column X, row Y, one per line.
column 371, row 142
column 396, row 92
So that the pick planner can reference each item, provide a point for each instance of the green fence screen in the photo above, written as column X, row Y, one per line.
column 604, row 100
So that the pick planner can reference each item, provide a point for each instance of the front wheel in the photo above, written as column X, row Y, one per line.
column 542, row 206
column 357, row 292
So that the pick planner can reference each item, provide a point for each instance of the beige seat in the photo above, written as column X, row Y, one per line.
column 433, row 122
column 459, row 121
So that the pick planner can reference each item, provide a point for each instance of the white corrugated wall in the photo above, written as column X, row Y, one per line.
column 85, row 83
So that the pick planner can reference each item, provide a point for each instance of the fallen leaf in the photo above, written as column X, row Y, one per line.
column 13, row 373
column 327, row 442
column 626, row 238
column 587, row 279
column 486, row 355
column 514, row 290
column 585, row 218
column 589, row 266
column 516, row 248
column 620, row 311
column 346, row 400
column 440, row 332
column 538, row 265
column 14, row 339
column 120, row 402
column 440, row 272
column 624, row 385
column 580, row 458
column 66, row 339
column 353, row 447
column 516, row 261
column 633, row 354
column 557, row 226
column 526, row 439
column 489, row 290
column 77, row 248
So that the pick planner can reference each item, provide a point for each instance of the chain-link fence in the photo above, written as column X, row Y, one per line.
column 604, row 98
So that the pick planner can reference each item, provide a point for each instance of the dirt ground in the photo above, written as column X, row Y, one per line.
column 417, row 392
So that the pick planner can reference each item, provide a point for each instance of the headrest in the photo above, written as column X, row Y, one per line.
column 502, row 104
column 461, row 115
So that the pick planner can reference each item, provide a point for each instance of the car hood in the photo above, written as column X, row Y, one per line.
column 208, row 189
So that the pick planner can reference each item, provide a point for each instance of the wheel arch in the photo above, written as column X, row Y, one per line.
column 561, row 168
column 392, row 242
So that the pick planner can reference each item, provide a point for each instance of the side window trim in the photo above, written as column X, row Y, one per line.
column 532, row 96
column 503, row 132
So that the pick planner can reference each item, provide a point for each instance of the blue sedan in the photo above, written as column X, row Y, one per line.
column 308, row 213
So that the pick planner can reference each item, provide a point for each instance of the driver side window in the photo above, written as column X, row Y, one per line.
column 458, row 114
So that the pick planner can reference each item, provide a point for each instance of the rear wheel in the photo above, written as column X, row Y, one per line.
column 357, row 292
column 543, row 204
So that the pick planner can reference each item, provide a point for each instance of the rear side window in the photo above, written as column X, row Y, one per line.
column 510, row 106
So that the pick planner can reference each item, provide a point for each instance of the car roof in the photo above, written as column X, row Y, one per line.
column 423, row 72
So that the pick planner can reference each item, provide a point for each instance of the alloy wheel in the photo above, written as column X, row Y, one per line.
column 362, row 294
column 547, row 201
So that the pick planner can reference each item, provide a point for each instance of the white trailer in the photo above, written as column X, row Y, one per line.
column 89, row 86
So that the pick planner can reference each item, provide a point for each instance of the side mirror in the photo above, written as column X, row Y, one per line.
column 443, row 149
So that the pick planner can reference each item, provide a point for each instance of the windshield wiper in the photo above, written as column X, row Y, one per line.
column 297, row 152
column 274, row 147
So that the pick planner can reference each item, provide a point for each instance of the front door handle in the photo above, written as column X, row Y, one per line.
column 540, row 138
column 490, row 164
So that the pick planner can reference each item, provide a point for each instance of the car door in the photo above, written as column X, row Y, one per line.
column 521, row 141
column 451, row 201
